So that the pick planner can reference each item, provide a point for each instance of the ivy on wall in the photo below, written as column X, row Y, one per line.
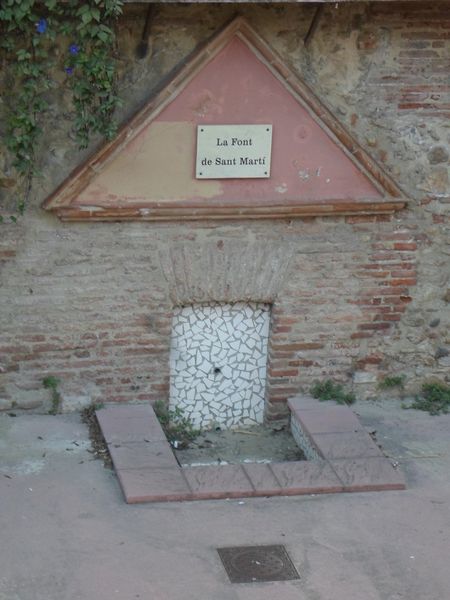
column 45, row 44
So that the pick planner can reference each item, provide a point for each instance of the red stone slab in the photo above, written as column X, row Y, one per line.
column 118, row 428
column 138, row 455
column 329, row 419
column 306, row 477
column 349, row 444
column 368, row 474
column 262, row 479
column 128, row 411
column 153, row 485
column 226, row 481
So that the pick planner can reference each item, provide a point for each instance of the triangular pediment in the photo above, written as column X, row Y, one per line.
column 149, row 170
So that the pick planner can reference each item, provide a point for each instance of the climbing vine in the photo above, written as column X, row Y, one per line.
column 47, row 44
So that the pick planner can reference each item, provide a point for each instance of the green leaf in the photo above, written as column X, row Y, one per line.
column 23, row 54
column 103, row 36
column 84, row 8
column 86, row 17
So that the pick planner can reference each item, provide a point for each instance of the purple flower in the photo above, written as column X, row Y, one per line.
column 74, row 49
column 68, row 70
column 41, row 25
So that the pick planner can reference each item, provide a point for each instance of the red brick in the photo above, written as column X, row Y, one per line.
column 401, row 273
column 33, row 338
column 281, row 394
column 283, row 373
column 138, row 351
column 394, row 236
column 389, row 290
column 361, row 219
column 297, row 346
column 302, row 363
column 396, row 300
column 282, row 329
column 419, row 53
column 372, row 273
column 404, row 282
column 399, row 308
column 424, row 35
column 405, row 246
column 161, row 387
column 14, row 350
column 373, row 326
column 392, row 317
column 370, row 360
column 386, row 256
column 284, row 320
column 282, row 399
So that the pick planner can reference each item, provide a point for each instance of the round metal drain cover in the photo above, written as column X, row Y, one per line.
column 246, row 564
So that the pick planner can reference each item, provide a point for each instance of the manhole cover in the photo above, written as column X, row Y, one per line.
column 245, row 564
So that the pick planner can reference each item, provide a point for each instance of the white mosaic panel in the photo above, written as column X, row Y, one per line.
column 218, row 363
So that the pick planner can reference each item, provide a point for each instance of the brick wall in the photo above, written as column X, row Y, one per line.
column 421, row 62
column 100, row 321
column 354, row 298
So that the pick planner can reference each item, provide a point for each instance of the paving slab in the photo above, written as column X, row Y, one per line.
column 227, row 481
column 153, row 484
column 367, row 474
column 119, row 425
column 138, row 455
column 262, row 479
column 348, row 444
column 306, row 477
column 328, row 419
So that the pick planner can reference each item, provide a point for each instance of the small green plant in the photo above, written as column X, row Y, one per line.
column 392, row 381
column 51, row 383
column 328, row 390
column 176, row 426
column 435, row 398
column 45, row 45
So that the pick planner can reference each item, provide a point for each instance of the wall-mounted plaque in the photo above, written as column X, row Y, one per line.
column 233, row 151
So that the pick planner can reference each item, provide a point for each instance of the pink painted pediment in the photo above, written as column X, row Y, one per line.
column 148, row 171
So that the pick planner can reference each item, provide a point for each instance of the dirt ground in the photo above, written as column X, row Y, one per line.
column 259, row 443
column 99, row 449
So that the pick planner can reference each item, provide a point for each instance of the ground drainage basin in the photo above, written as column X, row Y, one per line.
column 342, row 457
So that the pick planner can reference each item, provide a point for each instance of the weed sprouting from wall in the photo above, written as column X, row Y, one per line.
column 435, row 398
column 329, row 390
column 392, row 381
column 51, row 383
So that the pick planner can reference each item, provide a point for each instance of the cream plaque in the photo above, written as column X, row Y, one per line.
column 233, row 151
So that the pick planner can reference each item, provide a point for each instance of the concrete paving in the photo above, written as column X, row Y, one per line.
column 67, row 534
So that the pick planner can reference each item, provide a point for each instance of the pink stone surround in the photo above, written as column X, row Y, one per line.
column 149, row 472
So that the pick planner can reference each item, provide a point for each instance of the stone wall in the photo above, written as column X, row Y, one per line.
column 353, row 298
